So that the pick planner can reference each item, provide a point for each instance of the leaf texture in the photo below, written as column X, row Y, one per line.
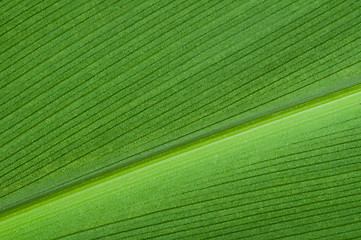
column 179, row 119
column 297, row 174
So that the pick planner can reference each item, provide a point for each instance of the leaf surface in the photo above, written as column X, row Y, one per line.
column 176, row 119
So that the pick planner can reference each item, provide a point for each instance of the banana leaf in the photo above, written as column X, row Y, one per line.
column 180, row 119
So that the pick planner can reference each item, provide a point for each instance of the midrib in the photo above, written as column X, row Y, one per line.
column 192, row 146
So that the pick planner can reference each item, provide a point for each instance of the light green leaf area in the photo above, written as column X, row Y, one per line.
column 296, row 174
column 180, row 119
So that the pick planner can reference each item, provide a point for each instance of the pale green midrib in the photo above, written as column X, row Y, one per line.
column 49, row 193
column 212, row 139
column 66, row 186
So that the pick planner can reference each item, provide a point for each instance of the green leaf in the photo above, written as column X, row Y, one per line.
column 180, row 119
